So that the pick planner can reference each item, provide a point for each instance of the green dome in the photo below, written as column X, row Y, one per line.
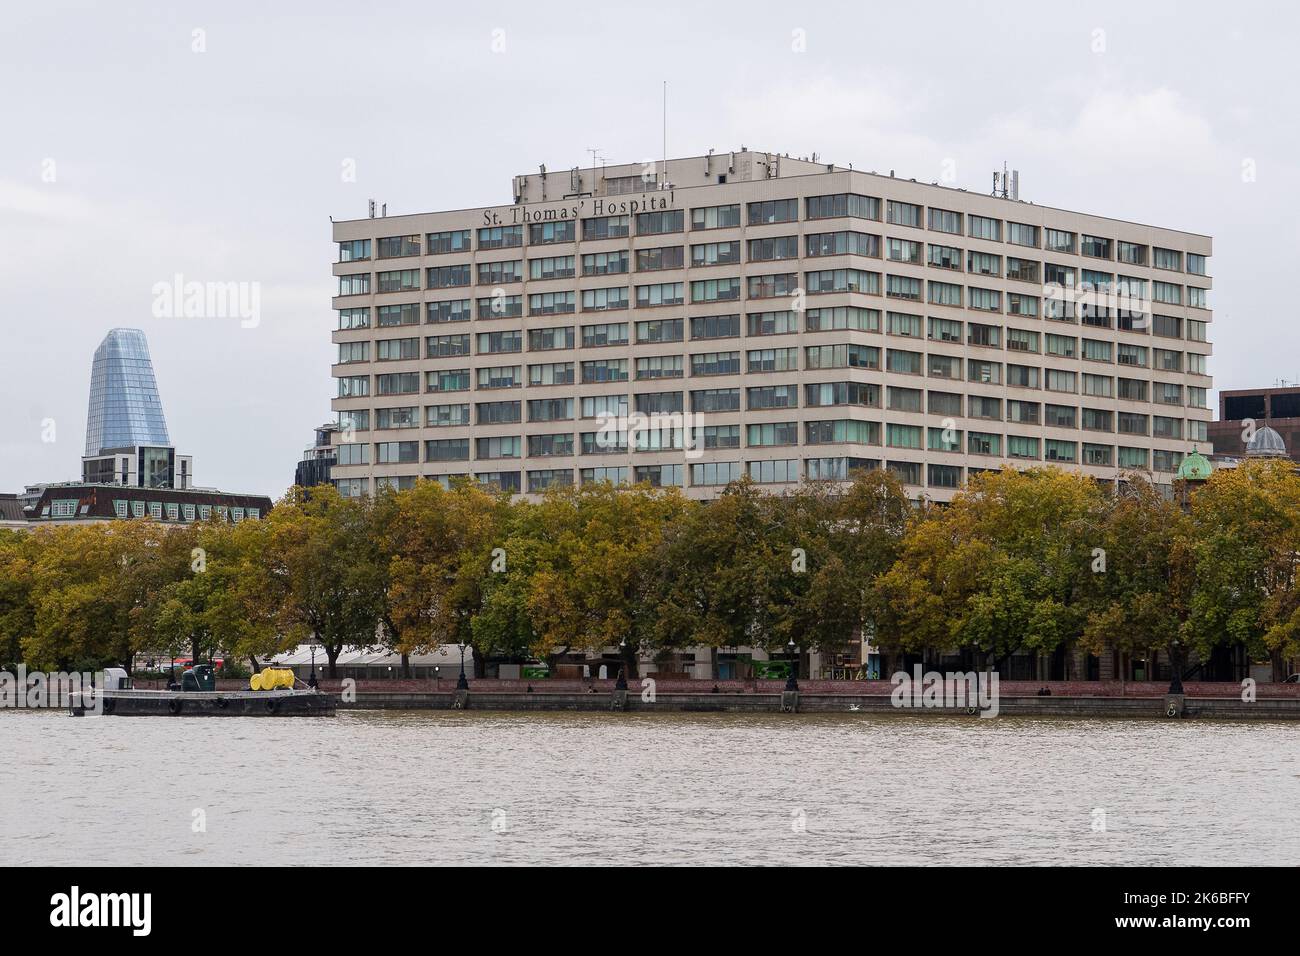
column 1195, row 467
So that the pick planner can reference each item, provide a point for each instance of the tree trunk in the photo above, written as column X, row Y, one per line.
column 631, row 663
column 1279, row 665
column 331, row 657
column 406, row 665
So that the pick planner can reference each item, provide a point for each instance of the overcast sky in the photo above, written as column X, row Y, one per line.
column 136, row 149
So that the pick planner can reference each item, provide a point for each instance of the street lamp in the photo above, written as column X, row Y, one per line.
column 791, row 683
column 462, row 683
column 313, row 681
column 621, row 683
column 1176, row 671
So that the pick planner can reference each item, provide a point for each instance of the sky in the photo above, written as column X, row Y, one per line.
column 214, row 141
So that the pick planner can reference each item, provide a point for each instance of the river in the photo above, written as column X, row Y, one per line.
column 540, row 788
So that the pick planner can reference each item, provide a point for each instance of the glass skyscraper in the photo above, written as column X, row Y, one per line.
column 125, row 409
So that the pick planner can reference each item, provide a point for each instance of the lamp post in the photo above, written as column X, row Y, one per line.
column 313, row 681
column 791, row 682
column 462, row 683
column 621, row 683
column 1175, row 670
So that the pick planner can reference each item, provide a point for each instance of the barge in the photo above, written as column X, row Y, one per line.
column 272, row 694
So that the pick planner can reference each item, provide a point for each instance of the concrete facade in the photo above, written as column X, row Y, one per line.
column 922, row 328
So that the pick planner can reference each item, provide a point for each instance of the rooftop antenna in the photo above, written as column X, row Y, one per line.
column 664, row 183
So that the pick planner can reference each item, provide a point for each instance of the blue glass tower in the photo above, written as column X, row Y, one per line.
column 125, row 410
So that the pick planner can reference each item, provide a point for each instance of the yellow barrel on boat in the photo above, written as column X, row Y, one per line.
column 255, row 682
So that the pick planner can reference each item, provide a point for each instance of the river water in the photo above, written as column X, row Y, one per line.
column 449, row 788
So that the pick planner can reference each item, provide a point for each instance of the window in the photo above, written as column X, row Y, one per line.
column 358, row 284
column 551, row 267
column 1094, row 246
column 848, row 430
column 1167, row 292
column 353, row 352
column 983, row 263
column 604, row 370
column 715, row 217
column 402, row 383
column 716, row 400
column 945, row 293
column 456, row 310
column 501, row 376
column 715, row 473
column 1131, row 252
column 551, row 373
column 772, row 433
column 842, row 243
column 392, row 350
column 985, row 335
column 666, row 293
column 981, row 227
column 604, row 300
column 354, row 318
column 405, row 417
column 715, row 254
column 605, row 227
column 715, row 290
column 552, row 303
column 843, row 317
column 354, row 250
column 945, row 257
column 497, row 413
column 1162, row 427
column 443, row 346
column 439, row 243
column 610, row 333
column 773, row 210
column 774, row 248
column 1195, row 264
column 715, row 327
column 446, row 416
column 397, row 452
column 446, row 450
column 1025, row 270
column 449, row 277
column 903, row 250
column 903, row 214
column 772, row 360
column 659, row 259
column 1169, row 259
column 945, row 330
column 715, row 363
column 903, row 287
column 845, row 280
column 500, row 237
column 944, row 220
column 986, row 300
column 769, row 472
column 659, row 330
column 1060, row 241
column 658, row 223
column 543, row 233
column 772, row 286
column 393, row 247
column 605, row 263
column 901, row 323
column 843, row 205
column 1020, row 234
column 772, row 323
column 449, row 380
column 982, row 443
column 659, row 366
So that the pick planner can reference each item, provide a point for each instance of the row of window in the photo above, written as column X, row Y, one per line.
column 768, row 471
column 708, row 328
column 774, row 397
column 838, row 206
column 816, row 357
column 786, row 321
column 174, row 511
column 1068, row 285
column 843, row 431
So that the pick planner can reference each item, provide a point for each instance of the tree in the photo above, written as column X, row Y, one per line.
column 1246, row 525
column 317, row 567
column 1004, row 567
column 438, row 550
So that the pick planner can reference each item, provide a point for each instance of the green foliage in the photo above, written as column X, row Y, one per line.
column 1011, row 563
